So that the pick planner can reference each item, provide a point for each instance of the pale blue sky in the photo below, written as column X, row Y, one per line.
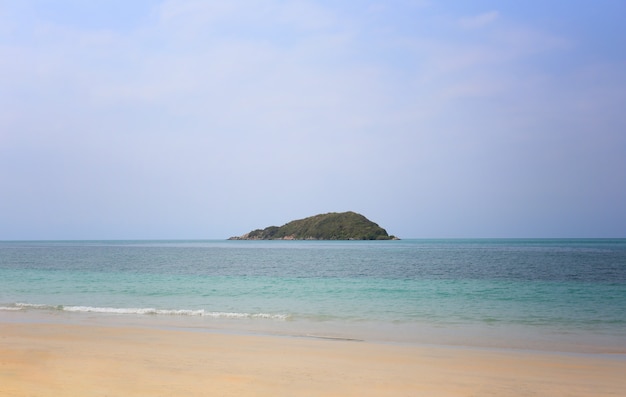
column 206, row 119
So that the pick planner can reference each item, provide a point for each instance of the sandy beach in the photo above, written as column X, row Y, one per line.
column 84, row 360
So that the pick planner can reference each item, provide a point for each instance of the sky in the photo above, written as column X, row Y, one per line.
column 200, row 119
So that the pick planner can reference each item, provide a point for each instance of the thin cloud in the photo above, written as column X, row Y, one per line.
column 479, row 21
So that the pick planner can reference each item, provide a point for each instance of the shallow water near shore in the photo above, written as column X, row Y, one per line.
column 565, row 295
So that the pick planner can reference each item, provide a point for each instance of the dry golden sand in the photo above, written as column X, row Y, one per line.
column 78, row 360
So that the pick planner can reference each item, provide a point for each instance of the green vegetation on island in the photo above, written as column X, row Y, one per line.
column 332, row 226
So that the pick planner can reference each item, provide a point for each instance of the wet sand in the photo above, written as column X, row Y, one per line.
column 86, row 360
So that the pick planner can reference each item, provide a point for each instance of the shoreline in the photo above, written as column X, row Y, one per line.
column 469, row 336
column 46, row 359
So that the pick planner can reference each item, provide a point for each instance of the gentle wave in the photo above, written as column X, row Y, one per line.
column 145, row 311
column 35, row 306
column 9, row 309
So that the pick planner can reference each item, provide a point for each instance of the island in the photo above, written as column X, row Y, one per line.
column 331, row 226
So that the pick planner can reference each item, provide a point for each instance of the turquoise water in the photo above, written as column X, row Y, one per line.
column 487, row 292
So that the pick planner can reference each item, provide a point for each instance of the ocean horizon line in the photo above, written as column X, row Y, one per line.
column 347, row 240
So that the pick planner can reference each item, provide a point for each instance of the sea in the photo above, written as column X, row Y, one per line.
column 562, row 295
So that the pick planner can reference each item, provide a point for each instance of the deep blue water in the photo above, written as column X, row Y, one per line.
column 544, row 286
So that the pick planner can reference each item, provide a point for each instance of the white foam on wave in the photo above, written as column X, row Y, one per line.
column 246, row 315
column 147, row 311
column 182, row 312
column 110, row 310
column 173, row 312
column 34, row 306
column 10, row 308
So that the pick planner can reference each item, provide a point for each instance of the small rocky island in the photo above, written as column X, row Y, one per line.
column 332, row 226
